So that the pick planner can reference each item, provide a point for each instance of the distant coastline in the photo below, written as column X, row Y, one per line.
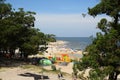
column 76, row 43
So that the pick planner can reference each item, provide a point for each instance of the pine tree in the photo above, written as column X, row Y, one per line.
column 103, row 55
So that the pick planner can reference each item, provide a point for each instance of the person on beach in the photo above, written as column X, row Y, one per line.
column 60, row 76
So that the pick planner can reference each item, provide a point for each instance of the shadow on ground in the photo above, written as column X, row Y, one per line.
column 11, row 62
column 15, row 62
column 35, row 76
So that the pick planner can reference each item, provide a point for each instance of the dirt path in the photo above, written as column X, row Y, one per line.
column 18, row 73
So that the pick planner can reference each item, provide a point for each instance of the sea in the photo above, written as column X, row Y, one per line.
column 76, row 43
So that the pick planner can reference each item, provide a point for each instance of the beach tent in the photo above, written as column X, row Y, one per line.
column 65, row 58
column 54, row 59
column 45, row 62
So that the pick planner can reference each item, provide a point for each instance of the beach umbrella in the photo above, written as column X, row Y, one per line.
column 45, row 62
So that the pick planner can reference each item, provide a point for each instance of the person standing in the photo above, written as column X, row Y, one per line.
column 60, row 76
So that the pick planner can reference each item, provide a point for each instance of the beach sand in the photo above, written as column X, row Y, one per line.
column 58, row 48
column 18, row 73
column 55, row 49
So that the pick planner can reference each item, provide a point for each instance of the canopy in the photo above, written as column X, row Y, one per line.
column 45, row 62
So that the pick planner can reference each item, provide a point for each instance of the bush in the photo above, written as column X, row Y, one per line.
column 53, row 67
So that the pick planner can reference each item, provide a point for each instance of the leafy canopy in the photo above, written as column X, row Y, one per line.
column 17, row 31
column 103, row 55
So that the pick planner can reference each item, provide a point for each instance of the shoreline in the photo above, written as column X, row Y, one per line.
column 59, row 47
column 62, row 53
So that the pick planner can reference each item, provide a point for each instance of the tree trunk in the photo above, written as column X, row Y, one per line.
column 25, row 55
column 111, row 76
column 115, row 77
column 12, row 53
column 116, row 22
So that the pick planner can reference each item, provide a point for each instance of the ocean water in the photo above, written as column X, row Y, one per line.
column 76, row 43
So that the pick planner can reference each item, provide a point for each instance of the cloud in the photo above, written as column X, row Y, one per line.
column 67, row 24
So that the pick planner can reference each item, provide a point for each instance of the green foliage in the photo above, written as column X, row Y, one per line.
column 50, row 37
column 17, row 31
column 103, row 57
column 96, row 74
column 53, row 67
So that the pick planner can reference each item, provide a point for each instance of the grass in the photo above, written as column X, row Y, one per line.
column 40, row 69
column 37, row 69
column 28, row 66
column 32, row 67
column 2, row 69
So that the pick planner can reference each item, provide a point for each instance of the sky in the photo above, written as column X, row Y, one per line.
column 62, row 18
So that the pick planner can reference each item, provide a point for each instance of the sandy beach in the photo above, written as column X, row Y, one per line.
column 55, row 49
column 18, row 73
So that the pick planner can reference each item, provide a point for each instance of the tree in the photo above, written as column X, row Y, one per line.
column 5, row 9
column 103, row 55
column 17, row 31
column 15, row 27
column 50, row 37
